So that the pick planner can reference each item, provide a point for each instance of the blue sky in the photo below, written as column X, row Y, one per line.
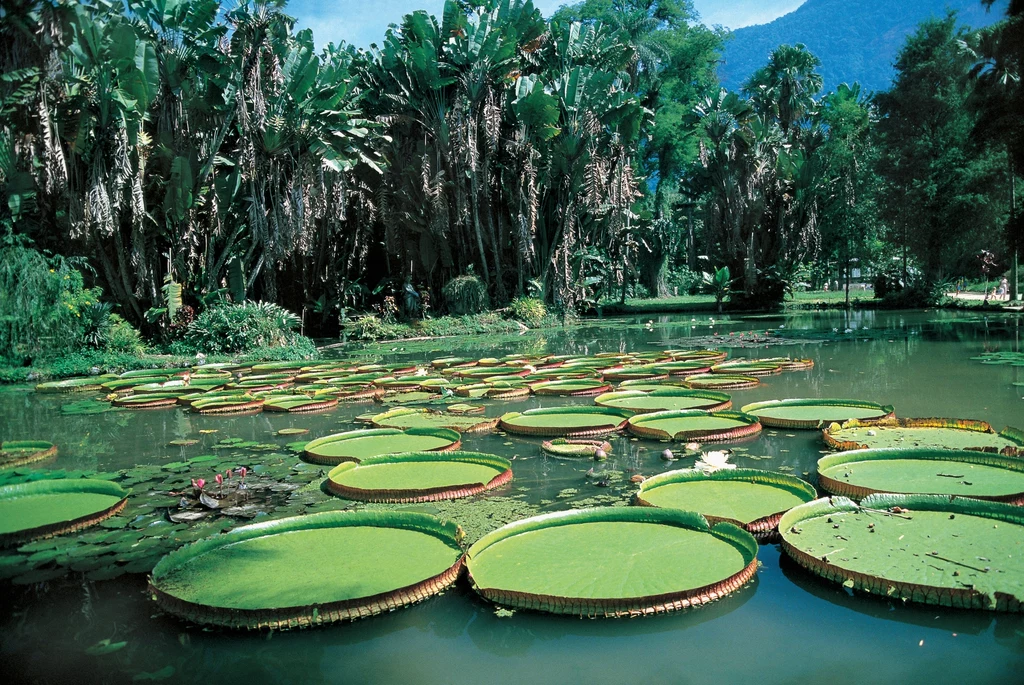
column 362, row 22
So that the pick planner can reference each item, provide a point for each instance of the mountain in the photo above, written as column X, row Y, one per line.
column 856, row 40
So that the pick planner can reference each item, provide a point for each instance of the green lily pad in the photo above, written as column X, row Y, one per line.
column 933, row 433
column 237, row 404
column 694, row 425
column 665, row 399
column 293, row 431
column 965, row 473
column 51, row 507
column 565, row 421
column 746, row 368
column 419, row 476
column 360, row 444
column 749, row 498
column 812, row 413
column 404, row 417
column 70, row 385
column 330, row 566
column 573, row 448
column 714, row 381
column 570, row 387
column 294, row 404
column 955, row 552
column 15, row 453
column 650, row 560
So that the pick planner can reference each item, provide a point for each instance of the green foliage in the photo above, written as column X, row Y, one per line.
column 235, row 328
column 718, row 284
column 122, row 338
column 465, row 295
column 42, row 300
column 529, row 310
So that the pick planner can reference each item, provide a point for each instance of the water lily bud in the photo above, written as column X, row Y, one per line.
column 600, row 455
column 692, row 446
column 667, row 455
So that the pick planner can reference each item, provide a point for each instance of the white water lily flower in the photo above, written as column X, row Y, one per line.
column 714, row 461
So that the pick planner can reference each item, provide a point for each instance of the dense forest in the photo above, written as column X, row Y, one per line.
column 856, row 40
column 160, row 159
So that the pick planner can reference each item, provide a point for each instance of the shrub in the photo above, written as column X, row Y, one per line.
column 41, row 304
column 529, row 310
column 235, row 328
column 122, row 338
column 465, row 295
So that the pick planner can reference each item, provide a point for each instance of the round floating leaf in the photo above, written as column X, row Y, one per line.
column 70, row 385
column 749, row 498
column 51, row 507
column 296, row 404
column 570, row 387
column 746, row 368
column 361, row 444
column 812, row 413
column 710, row 356
column 640, row 372
column 419, row 476
column 712, row 381
column 501, row 390
column 694, row 425
column 682, row 368
column 965, row 473
column 955, row 552
column 567, row 447
column 314, row 569
column 14, row 453
column 149, row 400
column 650, row 560
column 412, row 397
column 665, row 399
column 565, row 421
column 231, row 404
column 936, row 433
column 404, row 417
column 293, row 431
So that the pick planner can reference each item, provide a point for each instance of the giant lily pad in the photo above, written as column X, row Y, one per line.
column 501, row 390
column 665, row 399
column 44, row 508
column 682, row 368
column 750, row 498
column 812, row 413
column 565, row 421
column 232, row 404
column 149, row 400
column 574, row 448
column 71, row 385
column 20, row 452
column 419, row 476
column 650, row 560
column 709, row 356
column 694, row 425
column 714, row 381
column 965, row 473
column 295, row 404
column 964, row 434
column 747, row 368
column 314, row 569
column 405, row 417
column 571, row 387
column 647, row 372
column 361, row 444
column 955, row 552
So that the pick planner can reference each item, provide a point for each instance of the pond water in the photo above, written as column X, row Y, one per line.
column 787, row 626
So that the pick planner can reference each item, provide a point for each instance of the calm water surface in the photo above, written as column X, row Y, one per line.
column 786, row 627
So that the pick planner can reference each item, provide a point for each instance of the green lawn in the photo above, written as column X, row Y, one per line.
column 706, row 303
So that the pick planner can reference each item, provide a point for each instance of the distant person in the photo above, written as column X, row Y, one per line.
column 826, row 286
column 1004, row 289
